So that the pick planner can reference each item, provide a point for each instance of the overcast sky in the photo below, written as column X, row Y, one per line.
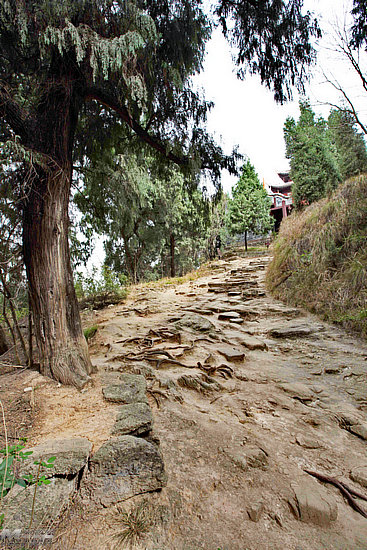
column 245, row 112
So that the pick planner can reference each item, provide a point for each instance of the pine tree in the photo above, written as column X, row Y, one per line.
column 314, row 168
column 249, row 209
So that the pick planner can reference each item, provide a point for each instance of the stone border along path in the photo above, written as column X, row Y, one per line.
column 128, row 464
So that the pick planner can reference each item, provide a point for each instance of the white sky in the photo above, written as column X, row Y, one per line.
column 245, row 112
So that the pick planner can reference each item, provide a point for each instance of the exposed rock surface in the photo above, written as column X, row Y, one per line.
column 359, row 475
column 50, row 502
column 135, row 419
column 251, row 342
column 230, row 353
column 228, row 315
column 196, row 323
column 256, row 457
column 249, row 457
column 123, row 467
column 255, row 511
column 291, row 331
column 298, row 391
column 353, row 424
column 359, row 429
column 71, row 457
column 308, row 442
column 313, row 504
column 131, row 389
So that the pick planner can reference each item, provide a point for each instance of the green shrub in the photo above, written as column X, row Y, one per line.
column 96, row 292
column 89, row 332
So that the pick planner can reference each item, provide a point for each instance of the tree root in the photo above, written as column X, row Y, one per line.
column 346, row 491
column 157, row 395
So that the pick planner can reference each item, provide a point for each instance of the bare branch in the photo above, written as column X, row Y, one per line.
column 122, row 111
column 351, row 109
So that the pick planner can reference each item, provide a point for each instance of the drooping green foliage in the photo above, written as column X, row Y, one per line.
column 314, row 169
column 359, row 29
column 273, row 40
column 349, row 144
column 249, row 209
column 125, row 55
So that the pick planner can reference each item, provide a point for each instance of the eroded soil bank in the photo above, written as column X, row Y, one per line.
column 246, row 394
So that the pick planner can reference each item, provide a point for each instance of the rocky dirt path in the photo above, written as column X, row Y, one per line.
column 246, row 395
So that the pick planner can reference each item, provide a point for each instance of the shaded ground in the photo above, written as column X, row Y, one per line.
column 242, row 406
column 19, row 407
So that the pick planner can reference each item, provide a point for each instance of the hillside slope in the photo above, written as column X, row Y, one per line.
column 320, row 257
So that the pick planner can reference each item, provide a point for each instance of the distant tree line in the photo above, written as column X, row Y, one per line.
column 153, row 224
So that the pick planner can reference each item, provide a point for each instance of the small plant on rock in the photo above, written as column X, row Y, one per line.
column 131, row 526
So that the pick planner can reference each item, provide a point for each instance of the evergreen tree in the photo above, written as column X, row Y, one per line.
column 117, row 62
column 349, row 143
column 146, row 214
column 314, row 168
column 249, row 209
column 359, row 29
column 56, row 57
column 217, row 226
column 183, row 216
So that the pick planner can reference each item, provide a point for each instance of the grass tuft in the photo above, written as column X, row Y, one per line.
column 131, row 526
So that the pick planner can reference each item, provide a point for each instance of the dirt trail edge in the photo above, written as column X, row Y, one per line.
column 247, row 394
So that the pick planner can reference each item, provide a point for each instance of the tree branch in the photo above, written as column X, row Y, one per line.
column 345, row 49
column 12, row 113
column 352, row 109
column 110, row 103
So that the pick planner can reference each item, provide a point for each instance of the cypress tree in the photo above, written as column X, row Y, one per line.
column 249, row 209
column 314, row 168
column 349, row 144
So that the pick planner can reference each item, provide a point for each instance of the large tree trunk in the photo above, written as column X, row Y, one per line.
column 62, row 347
column 172, row 254
column 57, row 325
